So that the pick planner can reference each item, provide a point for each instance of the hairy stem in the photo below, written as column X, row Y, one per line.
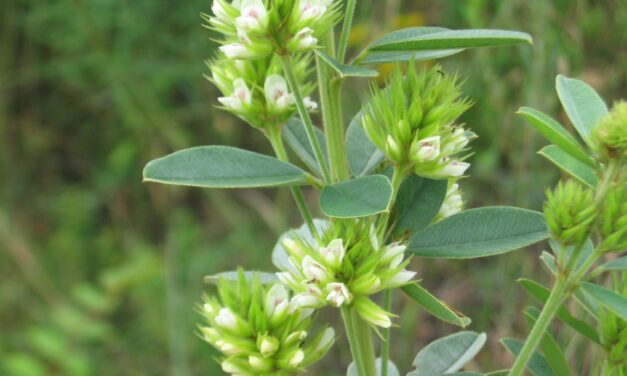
column 274, row 135
column 556, row 298
column 286, row 62
column 359, row 336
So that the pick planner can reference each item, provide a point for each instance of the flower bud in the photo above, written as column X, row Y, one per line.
column 310, row 104
column 333, row 253
column 570, row 212
column 267, row 345
column 292, row 359
column 453, row 169
column 237, row 51
column 393, row 150
column 401, row 278
column 276, row 301
column 313, row 270
column 453, row 203
column 366, row 285
column 235, row 367
column 260, row 364
column 302, row 41
column 392, row 251
column 295, row 338
column 253, row 15
column 426, row 149
column 372, row 313
column 276, row 92
column 609, row 137
column 241, row 96
column 304, row 300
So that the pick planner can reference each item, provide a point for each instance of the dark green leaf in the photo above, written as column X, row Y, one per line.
column 295, row 136
column 430, row 38
column 618, row 264
column 480, row 232
column 418, row 202
column 448, row 354
column 355, row 198
column 538, row 366
column 363, row 155
column 542, row 294
column 346, row 70
column 222, row 167
column 583, row 105
column 549, row 346
column 570, row 165
column 607, row 298
column 555, row 133
column 435, row 306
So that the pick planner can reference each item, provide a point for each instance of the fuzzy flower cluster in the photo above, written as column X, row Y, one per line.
column 610, row 135
column 256, row 91
column 412, row 121
column 570, row 212
column 251, row 325
column 347, row 269
column 256, row 28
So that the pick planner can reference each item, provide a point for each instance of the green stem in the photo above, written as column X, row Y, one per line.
column 385, row 345
column 346, row 29
column 286, row 62
column 360, row 339
column 274, row 135
column 331, row 107
column 556, row 298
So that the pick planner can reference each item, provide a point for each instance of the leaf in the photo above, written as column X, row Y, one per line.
column 555, row 133
column 356, row 198
column 397, row 57
column 295, row 136
column 570, row 165
column 363, row 155
column 582, row 104
column 542, row 294
column 480, row 232
column 429, row 38
column 418, row 202
column 448, row 354
column 346, row 70
column 392, row 369
column 552, row 352
column 264, row 277
column 538, row 366
column 549, row 260
column 222, row 167
column 618, row 264
column 279, row 254
column 607, row 298
column 435, row 306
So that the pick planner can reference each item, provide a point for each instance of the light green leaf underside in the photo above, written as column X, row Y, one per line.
column 295, row 136
column 435, row 306
column 479, row 233
column 555, row 133
column 392, row 369
column 618, row 264
column 345, row 70
column 607, row 298
column 363, row 155
column 448, row 354
column 582, row 104
column 430, row 38
column 570, row 165
column 222, row 167
column 355, row 198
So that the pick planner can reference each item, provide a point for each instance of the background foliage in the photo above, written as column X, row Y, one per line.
column 99, row 273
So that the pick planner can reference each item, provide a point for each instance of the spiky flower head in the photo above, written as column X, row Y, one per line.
column 256, row 91
column 614, row 328
column 453, row 202
column 412, row 121
column 346, row 268
column 613, row 220
column 253, row 29
column 251, row 325
column 609, row 137
column 570, row 212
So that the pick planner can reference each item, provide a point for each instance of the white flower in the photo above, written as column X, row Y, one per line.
column 428, row 149
column 304, row 300
column 313, row 270
column 392, row 148
column 453, row 203
column 333, row 253
column 228, row 348
column 310, row 104
column 241, row 96
column 253, row 15
column 259, row 364
column 326, row 340
column 226, row 319
column 268, row 345
column 237, row 51
column 296, row 359
column 392, row 252
column 400, row 279
column 293, row 247
column 209, row 310
column 338, row 294
column 303, row 40
column 276, row 300
column 454, row 169
column 312, row 9
column 276, row 92
column 229, row 366
column 218, row 10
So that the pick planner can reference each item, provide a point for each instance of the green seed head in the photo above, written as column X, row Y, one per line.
column 613, row 220
column 570, row 212
column 610, row 136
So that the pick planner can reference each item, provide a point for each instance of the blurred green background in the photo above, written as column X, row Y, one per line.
column 99, row 273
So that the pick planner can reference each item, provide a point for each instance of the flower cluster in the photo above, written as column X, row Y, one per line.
column 412, row 122
column 251, row 325
column 610, row 135
column 570, row 212
column 256, row 28
column 256, row 91
column 345, row 269
column 613, row 220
